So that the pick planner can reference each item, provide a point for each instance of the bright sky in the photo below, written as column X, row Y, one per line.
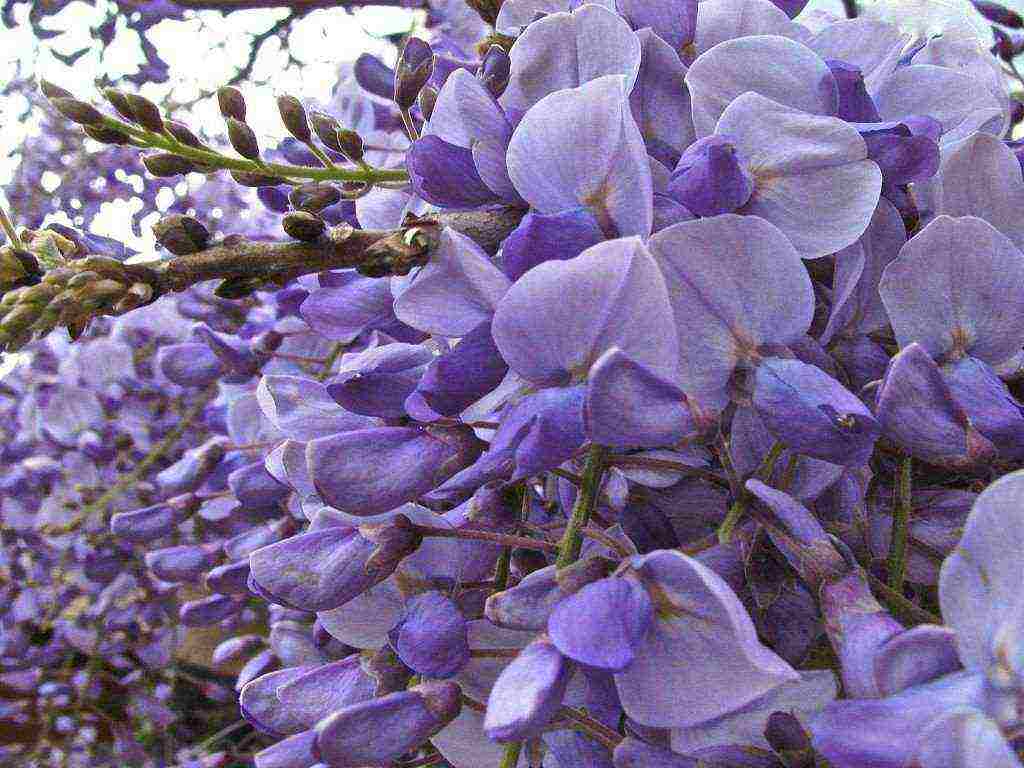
column 203, row 53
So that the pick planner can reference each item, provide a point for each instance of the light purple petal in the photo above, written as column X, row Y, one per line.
column 561, row 316
column 630, row 406
column 965, row 739
column 979, row 176
column 811, row 176
column 703, row 638
column 567, row 50
column 735, row 283
column 581, row 147
column 958, row 288
column 734, row 67
column 721, row 20
column 979, row 583
column 660, row 100
column 303, row 410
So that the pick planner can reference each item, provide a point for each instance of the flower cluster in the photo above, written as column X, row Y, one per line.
column 701, row 409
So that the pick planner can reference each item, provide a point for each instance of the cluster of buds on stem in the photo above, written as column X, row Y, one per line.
column 70, row 295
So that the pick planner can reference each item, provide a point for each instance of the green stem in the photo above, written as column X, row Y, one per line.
column 10, row 231
column 732, row 519
column 739, row 507
column 900, row 525
column 330, row 360
column 208, row 157
column 511, row 757
column 586, row 501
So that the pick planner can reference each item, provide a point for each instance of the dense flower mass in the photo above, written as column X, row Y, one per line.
column 635, row 385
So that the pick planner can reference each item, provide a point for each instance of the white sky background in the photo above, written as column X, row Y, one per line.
column 203, row 53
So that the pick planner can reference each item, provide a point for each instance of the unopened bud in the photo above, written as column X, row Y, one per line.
column 415, row 66
column 51, row 91
column 250, row 179
column 999, row 14
column 147, row 114
column 313, row 197
column 181, row 235
column 303, row 226
column 183, row 134
column 351, row 144
column 231, row 102
column 486, row 9
column 163, row 164
column 78, row 111
column 495, row 70
column 119, row 101
column 293, row 115
column 326, row 128
column 106, row 135
column 243, row 139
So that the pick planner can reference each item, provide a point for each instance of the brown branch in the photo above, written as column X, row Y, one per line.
column 389, row 251
column 72, row 294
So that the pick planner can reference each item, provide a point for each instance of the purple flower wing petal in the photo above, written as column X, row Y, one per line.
column 812, row 413
column 660, row 100
column 917, row 409
column 528, row 693
column 914, row 657
column 702, row 637
column 456, row 291
column 303, row 410
column 629, row 406
column 603, row 624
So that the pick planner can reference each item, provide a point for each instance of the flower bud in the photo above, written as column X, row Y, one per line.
column 164, row 164
column 181, row 235
column 231, row 103
column 351, row 144
column 415, row 66
column 147, row 114
column 486, row 9
column 243, row 139
column 51, row 91
column 78, row 111
column 250, row 179
column 402, row 721
column 119, row 101
column 293, row 115
column 304, row 226
column 106, row 135
column 313, row 197
column 209, row 610
column 326, row 128
column 998, row 14
column 183, row 134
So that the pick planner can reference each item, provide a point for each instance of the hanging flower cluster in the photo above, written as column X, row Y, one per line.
column 649, row 394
